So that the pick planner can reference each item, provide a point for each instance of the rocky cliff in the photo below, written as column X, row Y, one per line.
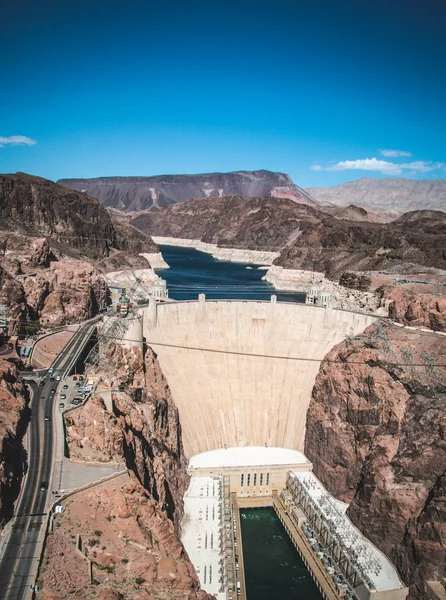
column 14, row 417
column 34, row 206
column 395, row 194
column 42, row 286
column 141, row 536
column 144, row 428
column 142, row 193
column 376, row 435
column 418, row 310
column 54, row 245
column 133, row 547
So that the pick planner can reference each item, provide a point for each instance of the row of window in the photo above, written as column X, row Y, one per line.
column 248, row 479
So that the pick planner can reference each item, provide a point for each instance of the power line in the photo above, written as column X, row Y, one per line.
column 97, row 338
column 279, row 357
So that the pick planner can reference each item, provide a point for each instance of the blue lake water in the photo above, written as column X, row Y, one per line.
column 273, row 568
column 192, row 272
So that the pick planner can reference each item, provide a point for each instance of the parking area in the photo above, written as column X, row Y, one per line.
column 72, row 391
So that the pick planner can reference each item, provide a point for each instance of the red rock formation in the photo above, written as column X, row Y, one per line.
column 93, row 434
column 144, row 428
column 14, row 416
column 141, row 553
column 418, row 310
column 54, row 243
column 376, row 431
column 133, row 547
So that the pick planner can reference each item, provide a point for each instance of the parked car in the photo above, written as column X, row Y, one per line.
column 65, row 387
column 61, row 405
column 74, row 377
column 76, row 401
column 81, row 377
column 77, row 384
column 63, row 396
column 85, row 388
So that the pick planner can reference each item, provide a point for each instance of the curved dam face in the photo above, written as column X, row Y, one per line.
column 237, row 381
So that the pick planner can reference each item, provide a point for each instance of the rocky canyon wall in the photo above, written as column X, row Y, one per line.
column 14, row 418
column 133, row 548
column 376, row 430
column 143, row 430
column 419, row 310
column 54, row 245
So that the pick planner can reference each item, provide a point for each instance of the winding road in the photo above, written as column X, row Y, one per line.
column 21, row 552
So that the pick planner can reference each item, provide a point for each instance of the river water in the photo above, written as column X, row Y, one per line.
column 192, row 272
column 273, row 568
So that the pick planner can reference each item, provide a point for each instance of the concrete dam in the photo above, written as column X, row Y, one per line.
column 241, row 372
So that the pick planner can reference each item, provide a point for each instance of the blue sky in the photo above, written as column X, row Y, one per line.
column 325, row 91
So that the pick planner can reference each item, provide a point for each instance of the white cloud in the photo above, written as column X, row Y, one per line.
column 395, row 153
column 382, row 166
column 367, row 164
column 423, row 166
column 17, row 140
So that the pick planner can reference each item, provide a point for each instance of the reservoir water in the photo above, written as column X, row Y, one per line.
column 192, row 272
column 273, row 568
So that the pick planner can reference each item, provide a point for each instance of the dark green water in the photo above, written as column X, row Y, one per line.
column 192, row 272
column 273, row 568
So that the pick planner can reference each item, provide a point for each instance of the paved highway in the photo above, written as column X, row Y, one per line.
column 21, row 552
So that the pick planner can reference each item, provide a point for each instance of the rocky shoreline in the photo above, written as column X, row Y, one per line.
column 155, row 260
column 289, row 280
column 256, row 257
column 341, row 297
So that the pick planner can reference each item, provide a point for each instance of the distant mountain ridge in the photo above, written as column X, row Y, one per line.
column 391, row 194
column 134, row 194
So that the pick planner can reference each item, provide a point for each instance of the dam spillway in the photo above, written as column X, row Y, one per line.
column 241, row 372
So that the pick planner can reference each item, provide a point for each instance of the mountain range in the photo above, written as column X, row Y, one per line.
column 384, row 198
column 390, row 194
column 132, row 194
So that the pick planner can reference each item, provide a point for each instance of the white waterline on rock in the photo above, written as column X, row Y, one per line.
column 259, row 257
